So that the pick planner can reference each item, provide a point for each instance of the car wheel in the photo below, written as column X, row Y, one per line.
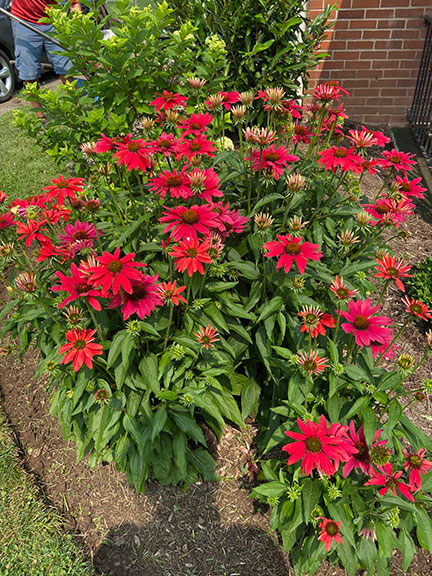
column 7, row 78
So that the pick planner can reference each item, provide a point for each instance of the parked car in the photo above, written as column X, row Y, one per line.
column 7, row 68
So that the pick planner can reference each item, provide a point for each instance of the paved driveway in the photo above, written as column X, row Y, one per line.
column 49, row 80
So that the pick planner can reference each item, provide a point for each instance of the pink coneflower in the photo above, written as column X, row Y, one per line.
column 80, row 349
column 387, row 211
column 229, row 98
column 78, row 231
column 292, row 249
column 205, row 183
column 368, row 532
column 7, row 220
column 340, row 290
column 381, row 139
column 135, row 155
column 63, row 188
column 196, row 124
column 207, row 336
column 390, row 269
column 54, row 215
column 260, row 136
column 326, row 93
column 190, row 148
column 335, row 157
column 168, row 101
column 415, row 464
column 389, row 480
column 142, row 300
column 174, row 183
column 78, row 286
column 170, row 292
column 312, row 362
column 3, row 197
column 188, row 222
column 113, row 272
column 410, row 187
column 330, row 530
column 362, row 138
column 191, row 255
column 397, row 160
column 233, row 223
column 416, row 308
column 317, row 447
column 361, row 458
column 165, row 144
column 273, row 158
column 383, row 350
column 315, row 321
column 32, row 231
column 363, row 323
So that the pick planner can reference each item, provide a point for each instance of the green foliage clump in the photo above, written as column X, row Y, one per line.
column 420, row 285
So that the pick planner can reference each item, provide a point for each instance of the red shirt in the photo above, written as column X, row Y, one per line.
column 30, row 10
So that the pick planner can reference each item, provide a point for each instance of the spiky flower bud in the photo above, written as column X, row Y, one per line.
column 380, row 455
column 295, row 182
column 405, row 361
column 263, row 220
column 177, row 352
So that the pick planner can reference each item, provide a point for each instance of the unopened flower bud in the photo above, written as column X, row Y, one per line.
column 363, row 218
column 295, row 182
column 263, row 221
column 405, row 361
column 380, row 455
column 246, row 98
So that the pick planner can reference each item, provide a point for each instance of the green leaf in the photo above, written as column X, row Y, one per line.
column 367, row 554
column 311, row 492
column 148, row 368
column 270, row 489
column 268, row 308
column 333, row 351
column 357, row 406
column 204, row 463
column 179, row 449
column 369, row 422
column 386, row 538
column 267, row 200
column 394, row 414
column 250, row 398
column 347, row 557
column 424, row 529
column 116, row 347
column 159, row 421
column 407, row 547
column 186, row 424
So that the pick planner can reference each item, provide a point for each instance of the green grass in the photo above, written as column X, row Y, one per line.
column 31, row 539
column 24, row 167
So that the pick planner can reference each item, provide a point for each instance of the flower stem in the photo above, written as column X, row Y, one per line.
column 404, row 325
column 171, row 312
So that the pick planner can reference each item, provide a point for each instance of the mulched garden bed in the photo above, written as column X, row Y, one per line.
column 208, row 530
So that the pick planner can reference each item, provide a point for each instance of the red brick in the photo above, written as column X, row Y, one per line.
column 409, row 12
column 372, row 54
column 367, row 3
column 360, row 45
column 374, row 74
column 404, row 82
column 348, row 34
column 376, row 119
column 388, row 64
column 423, row 3
column 415, row 23
column 350, row 14
column 379, row 14
column 365, row 92
column 413, row 44
column 376, row 34
column 392, row 24
column 363, row 24
column 388, row 44
column 338, row 45
column 394, row 3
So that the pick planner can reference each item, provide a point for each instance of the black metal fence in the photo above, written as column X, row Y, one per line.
column 420, row 113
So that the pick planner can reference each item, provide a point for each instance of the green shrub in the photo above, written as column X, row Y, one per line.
column 420, row 285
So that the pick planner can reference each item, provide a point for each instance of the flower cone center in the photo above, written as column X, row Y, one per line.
column 363, row 452
column 361, row 322
column 173, row 181
column 340, row 153
column 313, row 444
column 190, row 216
column 80, row 235
column 195, row 146
column 271, row 157
column 79, row 344
column 415, row 461
column 133, row 146
column 81, row 288
column 382, row 209
column 395, row 159
column 138, row 292
column 115, row 266
column 192, row 252
column 331, row 529
column 292, row 248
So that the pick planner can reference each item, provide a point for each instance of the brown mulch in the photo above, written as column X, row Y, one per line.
column 209, row 530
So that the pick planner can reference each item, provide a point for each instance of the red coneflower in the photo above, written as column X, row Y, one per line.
column 190, row 148
column 63, row 188
column 142, row 300
column 187, row 222
column 330, row 530
column 362, row 139
column 410, row 187
column 165, row 144
column 273, row 158
column 46, row 251
column 174, row 183
column 207, row 336
column 3, row 197
column 292, row 249
column 80, row 349
column 78, row 286
column 302, row 134
column 340, row 290
column 416, row 308
column 78, row 231
column 363, row 323
column 54, row 215
column 196, row 124
column 381, row 139
column 168, row 101
column 105, row 144
column 191, row 255
column 389, row 480
column 397, row 160
column 369, row 165
column 360, row 458
column 115, row 272
column 326, row 93
column 335, row 157
column 415, row 464
column 312, row 362
column 315, row 321
column 383, row 350
column 32, row 231
column 135, row 155
column 7, row 220
column 317, row 447
column 390, row 269
column 169, row 292
column 229, row 98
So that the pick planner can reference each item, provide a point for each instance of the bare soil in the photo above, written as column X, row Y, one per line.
column 209, row 530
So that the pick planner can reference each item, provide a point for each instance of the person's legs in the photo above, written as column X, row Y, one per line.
column 28, row 52
column 60, row 62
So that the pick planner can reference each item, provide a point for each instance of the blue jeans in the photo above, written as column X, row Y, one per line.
column 28, row 51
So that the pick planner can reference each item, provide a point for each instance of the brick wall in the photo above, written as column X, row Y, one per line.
column 375, row 49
